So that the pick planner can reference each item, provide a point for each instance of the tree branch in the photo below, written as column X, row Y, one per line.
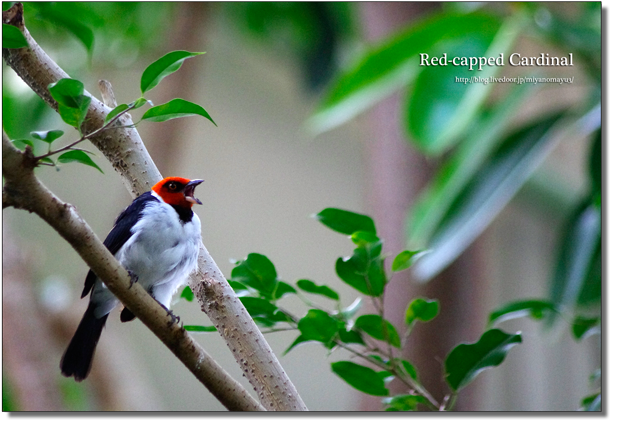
column 125, row 150
column 123, row 147
column 28, row 193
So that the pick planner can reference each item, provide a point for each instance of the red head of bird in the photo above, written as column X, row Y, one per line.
column 177, row 191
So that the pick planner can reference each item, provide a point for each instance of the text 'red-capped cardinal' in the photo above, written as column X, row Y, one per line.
column 157, row 240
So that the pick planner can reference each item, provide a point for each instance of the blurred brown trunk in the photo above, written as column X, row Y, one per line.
column 397, row 174
column 167, row 142
column 33, row 337
column 27, row 346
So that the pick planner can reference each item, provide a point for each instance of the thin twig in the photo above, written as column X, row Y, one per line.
column 87, row 136
column 274, row 330
column 26, row 192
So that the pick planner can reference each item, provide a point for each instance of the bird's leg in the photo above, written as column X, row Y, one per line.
column 133, row 278
column 173, row 318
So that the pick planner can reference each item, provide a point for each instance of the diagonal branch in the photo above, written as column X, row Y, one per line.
column 125, row 150
column 26, row 192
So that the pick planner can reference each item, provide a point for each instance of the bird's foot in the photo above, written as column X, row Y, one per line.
column 173, row 318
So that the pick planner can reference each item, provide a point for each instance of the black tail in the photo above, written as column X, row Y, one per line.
column 78, row 358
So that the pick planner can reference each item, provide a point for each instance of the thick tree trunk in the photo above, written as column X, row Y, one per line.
column 397, row 175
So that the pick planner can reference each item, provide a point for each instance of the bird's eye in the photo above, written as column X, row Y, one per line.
column 172, row 186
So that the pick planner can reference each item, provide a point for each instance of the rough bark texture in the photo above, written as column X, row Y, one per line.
column 26, row 192
column 125, row 150
column 121, row 146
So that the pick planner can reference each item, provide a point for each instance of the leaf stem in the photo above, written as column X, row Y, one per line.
column 271, row 331
column 84, row 137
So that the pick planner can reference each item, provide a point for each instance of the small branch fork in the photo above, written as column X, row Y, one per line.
column 23, row 190
column 89, row 136
column 123, row 147
column 391, row 367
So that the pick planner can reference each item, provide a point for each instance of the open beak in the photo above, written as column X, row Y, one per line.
column 189, row 191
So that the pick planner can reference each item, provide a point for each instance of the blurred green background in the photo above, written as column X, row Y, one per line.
column 319, row 105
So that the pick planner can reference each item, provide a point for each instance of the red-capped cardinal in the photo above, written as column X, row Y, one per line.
column 157, row 239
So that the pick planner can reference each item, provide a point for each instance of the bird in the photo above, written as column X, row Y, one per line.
column 157, row 239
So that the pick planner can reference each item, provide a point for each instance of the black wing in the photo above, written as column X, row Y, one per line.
column 121, row 232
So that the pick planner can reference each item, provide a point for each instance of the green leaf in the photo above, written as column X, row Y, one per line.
column 499, row 178
column 364, row 269
column 350, row 337
column 163, row 67
column 378, row 328
column 584, row 327
column 176, row 108
column 114, row 112
column 577, row 254
column 378, row 358
column 410, row 369
column 299, row 340
column 346, row 222
column 582, row 36
column 364, row 238
column 536, row 309
column 317, row 325
column 47, row 136
column 80, row 156
column 75, row 116
column 386, row 375
column 257, row 272
column 592, row 403
column 404, row 260
column 195, row 328
column 239, row 288
column 260, row 308
column 405, row 403
column 72, row 103
column 466, row 361
column 596, row 163
column 313, row 288
column 81, row 32
column 47, row 160
column 440, row 110
column 67, row 92
column 394, row 63
column 138, row 103
column 282, row 289
column 12, row 37
column 421, row 309
column 361, row 378
column 70, row 16
column 590, row 293
column 460, row 168
column 187, row 293
column 22, row 143
column 362, row 273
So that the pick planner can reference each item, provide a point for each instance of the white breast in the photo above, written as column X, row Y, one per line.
column 161, row 252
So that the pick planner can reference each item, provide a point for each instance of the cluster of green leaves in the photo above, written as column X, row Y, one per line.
column 64, row 22
column 575, row 290
column 80, row 34
column 369, row 337
column 484, row 158
column 73, row 105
